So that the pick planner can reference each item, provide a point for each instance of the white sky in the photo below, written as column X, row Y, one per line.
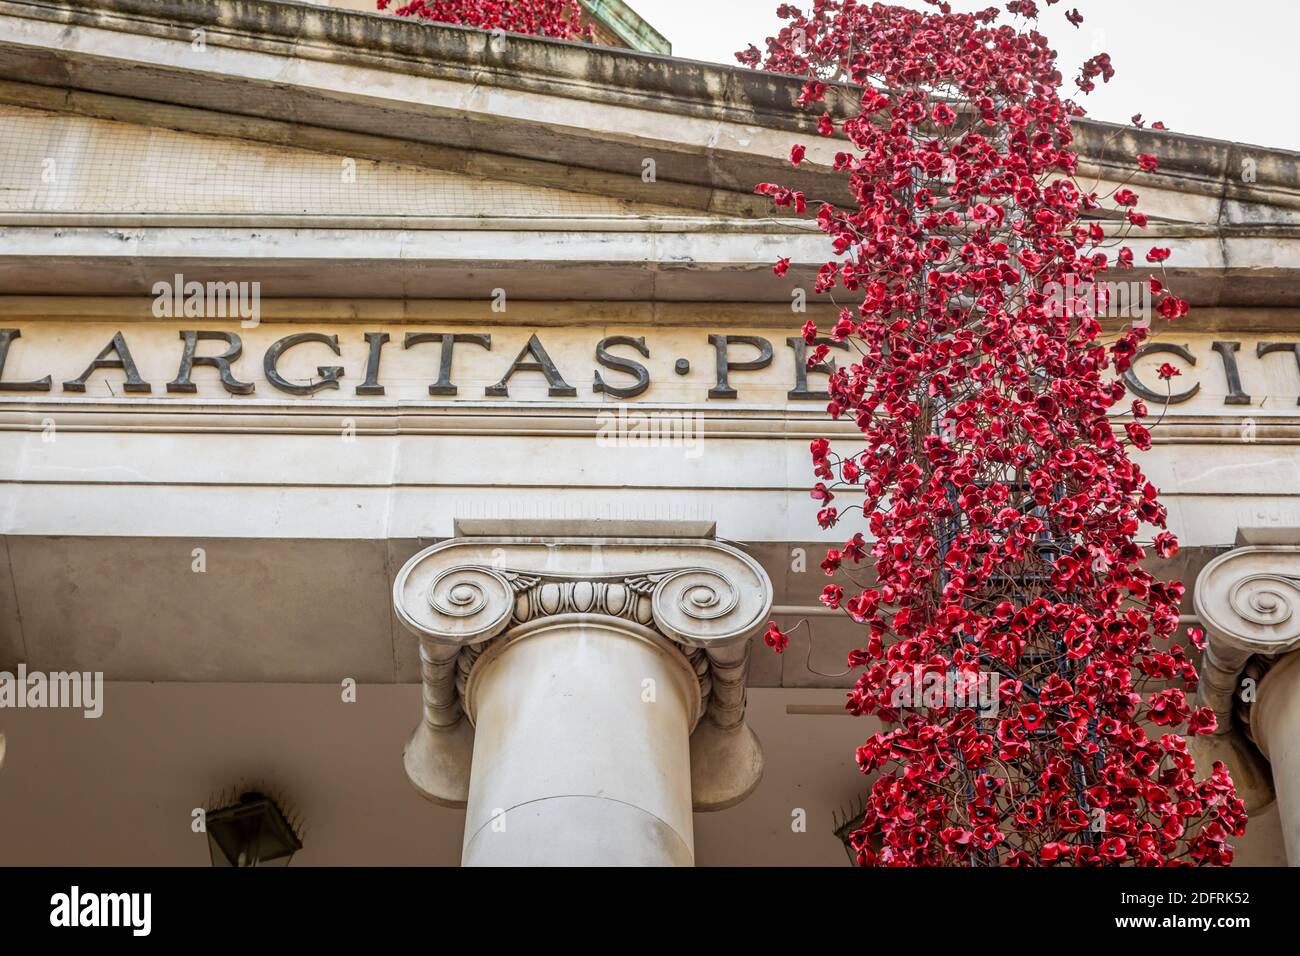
column 1204, row 67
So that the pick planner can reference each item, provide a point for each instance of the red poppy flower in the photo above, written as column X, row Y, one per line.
column 1202, row 722
column 1166, row 544
column 943, row 114
column 776, row 639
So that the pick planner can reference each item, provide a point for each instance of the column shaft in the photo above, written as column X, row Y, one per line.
column 1275, row 720
column 581, row 747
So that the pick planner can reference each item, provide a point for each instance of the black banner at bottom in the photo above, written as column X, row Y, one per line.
column 303, row 905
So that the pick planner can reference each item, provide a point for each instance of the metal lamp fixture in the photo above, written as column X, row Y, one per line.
column 253, row 831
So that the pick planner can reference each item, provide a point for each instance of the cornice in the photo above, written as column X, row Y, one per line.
column 575, row 70
column 600, row 74
column 1254, row 266
column 566, row 115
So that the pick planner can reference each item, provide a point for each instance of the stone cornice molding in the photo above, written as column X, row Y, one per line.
column 663, row 264
column 572, row 116
column 468, row 597
column 730, row 94
column 381, row 40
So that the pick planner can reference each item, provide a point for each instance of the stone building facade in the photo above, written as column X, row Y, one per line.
column 359, row 375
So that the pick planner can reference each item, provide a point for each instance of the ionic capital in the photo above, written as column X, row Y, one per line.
column 1248, row 601
column 696, row 593
column 701, row 596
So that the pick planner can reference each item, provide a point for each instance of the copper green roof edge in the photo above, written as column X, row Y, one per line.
column 625, row 23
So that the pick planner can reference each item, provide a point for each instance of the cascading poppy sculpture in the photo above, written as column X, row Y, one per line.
column 993, row 495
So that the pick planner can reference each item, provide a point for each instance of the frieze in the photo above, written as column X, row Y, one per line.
column 302, row 364
column 1241, row 374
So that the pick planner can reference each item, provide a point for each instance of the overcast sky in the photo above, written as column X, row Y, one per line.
column 1204, row 67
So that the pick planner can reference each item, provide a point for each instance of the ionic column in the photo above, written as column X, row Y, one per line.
column 1249, row 603
column 583, row 697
